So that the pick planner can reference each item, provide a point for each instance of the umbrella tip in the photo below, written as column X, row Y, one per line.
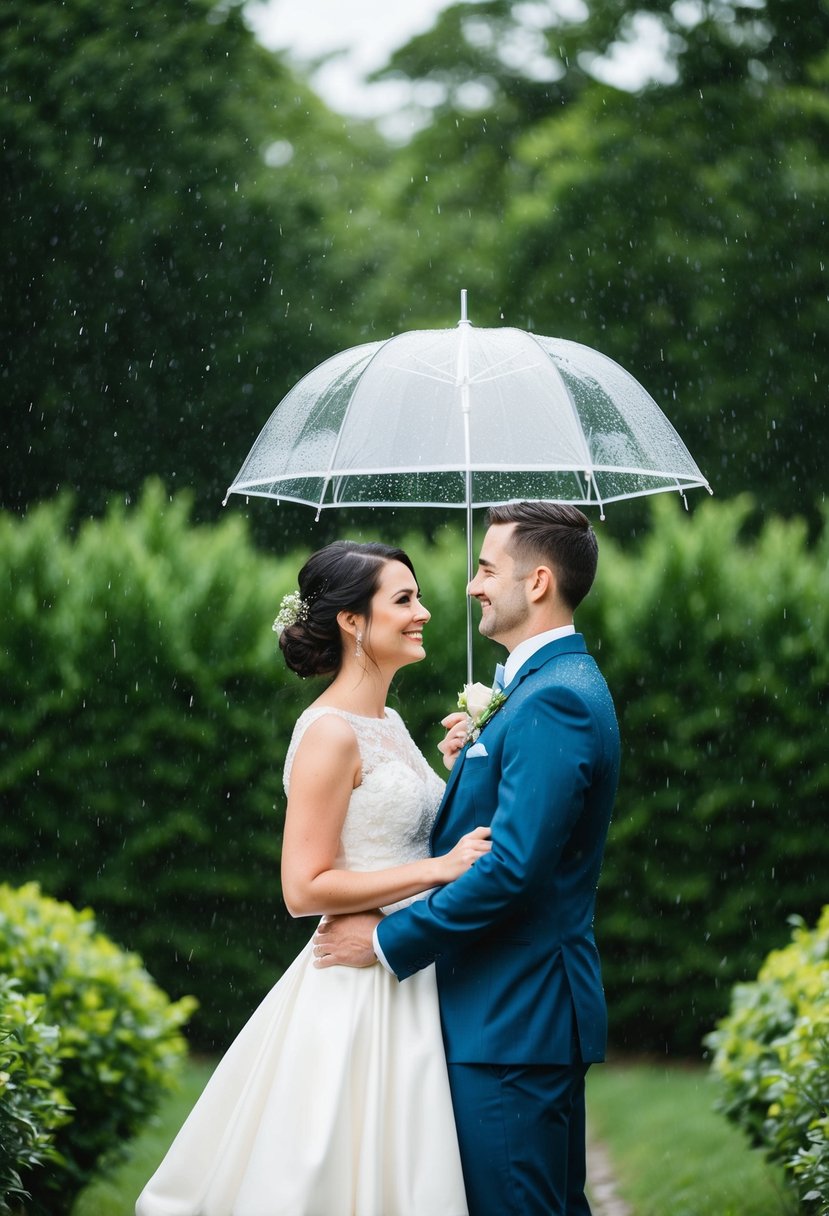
column 464, row 319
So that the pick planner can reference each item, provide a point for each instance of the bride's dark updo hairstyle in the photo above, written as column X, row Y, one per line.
column 342, row 577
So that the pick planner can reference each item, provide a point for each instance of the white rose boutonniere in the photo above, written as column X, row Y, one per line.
column 479, row 702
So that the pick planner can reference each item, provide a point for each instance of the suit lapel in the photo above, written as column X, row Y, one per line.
column 571, row 644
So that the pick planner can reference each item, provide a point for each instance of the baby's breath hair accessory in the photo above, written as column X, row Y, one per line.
column 292, row 609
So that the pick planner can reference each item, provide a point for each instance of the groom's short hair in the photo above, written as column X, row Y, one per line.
column 555, row 535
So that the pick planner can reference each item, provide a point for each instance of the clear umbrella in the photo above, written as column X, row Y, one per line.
column 466, row 418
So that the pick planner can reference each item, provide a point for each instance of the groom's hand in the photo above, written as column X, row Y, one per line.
column 346, row 941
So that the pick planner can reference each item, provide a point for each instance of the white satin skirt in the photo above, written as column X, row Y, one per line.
column 333, row 1101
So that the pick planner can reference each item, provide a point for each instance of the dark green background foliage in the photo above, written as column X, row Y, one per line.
column 140, row 767
column 148, row 712
column 681, row 229
column 715, row 650
column 109, row 1039
column 157, row 285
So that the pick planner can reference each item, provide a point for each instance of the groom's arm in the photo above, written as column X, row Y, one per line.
column 547, row 765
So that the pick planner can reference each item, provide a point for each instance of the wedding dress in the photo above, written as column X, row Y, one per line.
column 334, row 1099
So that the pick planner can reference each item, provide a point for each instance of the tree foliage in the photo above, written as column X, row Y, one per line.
column 189, row 230
column 679, row 229
column 170, row 193
column 710, row 639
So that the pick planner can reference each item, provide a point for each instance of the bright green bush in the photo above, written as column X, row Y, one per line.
column 772, row 1057
column 119, row 1037
column 31, row 1105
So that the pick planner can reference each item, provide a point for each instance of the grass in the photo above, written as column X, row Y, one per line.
column 673, row 1155
column 116, row 1193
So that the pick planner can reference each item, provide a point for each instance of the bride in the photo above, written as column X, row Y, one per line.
column 334, row 1099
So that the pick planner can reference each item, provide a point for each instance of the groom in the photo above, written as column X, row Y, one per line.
column 521, row 998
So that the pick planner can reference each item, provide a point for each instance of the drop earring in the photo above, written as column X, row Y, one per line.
column 358, row 649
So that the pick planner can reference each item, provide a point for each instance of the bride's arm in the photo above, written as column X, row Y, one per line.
column 325, row 770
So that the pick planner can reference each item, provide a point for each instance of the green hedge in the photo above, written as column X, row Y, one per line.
column 31, row 1104
column 138, row 768
column 118, row 1036
column 147, row 715
column 714, row 644
column 772, row 1058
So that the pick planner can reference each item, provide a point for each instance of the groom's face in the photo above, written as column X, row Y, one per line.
column 505, row 609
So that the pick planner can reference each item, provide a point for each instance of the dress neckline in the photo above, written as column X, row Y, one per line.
column 348, row 713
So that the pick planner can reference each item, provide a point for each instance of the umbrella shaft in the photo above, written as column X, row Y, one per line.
column 469, row 573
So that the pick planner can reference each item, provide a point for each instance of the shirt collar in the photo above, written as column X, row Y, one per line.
column 524, row 650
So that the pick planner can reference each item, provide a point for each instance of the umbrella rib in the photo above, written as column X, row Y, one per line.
column 412, row 371
column 486, row 373
column 592, row 483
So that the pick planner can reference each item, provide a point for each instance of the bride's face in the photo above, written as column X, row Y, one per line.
column 394, row 635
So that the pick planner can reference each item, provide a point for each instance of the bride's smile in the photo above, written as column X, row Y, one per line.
column 396, row 613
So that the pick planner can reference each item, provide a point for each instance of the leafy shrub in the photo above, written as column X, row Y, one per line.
column 772, row 1056
column 31, row 1105
column 119, row 1037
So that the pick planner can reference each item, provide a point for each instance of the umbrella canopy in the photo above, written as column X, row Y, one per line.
column 468, row 418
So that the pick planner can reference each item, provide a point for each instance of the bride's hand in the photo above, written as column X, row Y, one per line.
column 465, row 853
column 456, row 726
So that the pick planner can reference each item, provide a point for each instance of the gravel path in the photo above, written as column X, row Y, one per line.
column 604, row 1197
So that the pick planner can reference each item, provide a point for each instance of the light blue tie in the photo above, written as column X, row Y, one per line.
column 498, row 682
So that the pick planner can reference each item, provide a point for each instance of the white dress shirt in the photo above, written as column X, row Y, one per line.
column 518, row 657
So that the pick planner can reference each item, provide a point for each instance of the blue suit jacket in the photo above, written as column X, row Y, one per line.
column 517, row 966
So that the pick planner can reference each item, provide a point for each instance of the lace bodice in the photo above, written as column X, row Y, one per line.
column 391, row 811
